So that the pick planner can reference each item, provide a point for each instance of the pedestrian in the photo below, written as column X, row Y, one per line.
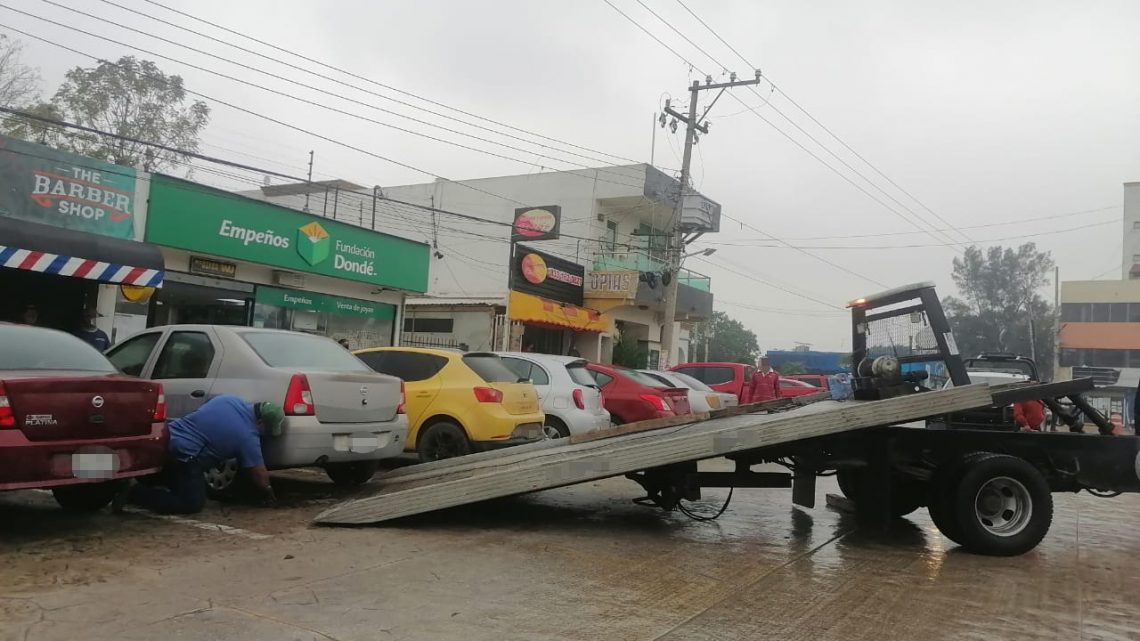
column 1029, row 415
column 765, row 382
column 31, row 315
column 345, row 344
column 91, row 334
column 224, row 427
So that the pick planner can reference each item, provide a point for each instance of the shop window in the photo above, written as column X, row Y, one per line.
column 429, row 325
column 130, row 357
column 185, row 355
column 409, row 366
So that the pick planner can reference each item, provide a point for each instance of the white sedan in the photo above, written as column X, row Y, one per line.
column 702, row 398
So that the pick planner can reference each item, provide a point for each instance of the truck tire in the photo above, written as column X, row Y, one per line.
column 88, row 497
column 999, row 505
column 907, row 494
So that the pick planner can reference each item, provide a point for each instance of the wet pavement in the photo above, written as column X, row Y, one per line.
column 576, row 563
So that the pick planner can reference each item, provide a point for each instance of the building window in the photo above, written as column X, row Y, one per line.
column 1077, row 312
column 1101, row 312
column 654, row 241
column 1134, row 312
column 1118, row 312
column 609, row 241
column 429, row 325
column 1072, row 357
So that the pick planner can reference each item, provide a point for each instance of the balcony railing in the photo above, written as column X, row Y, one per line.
column 643, row 263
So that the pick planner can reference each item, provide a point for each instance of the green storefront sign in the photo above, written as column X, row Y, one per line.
column 41, row 185
column 202, row 219
column 312, row 302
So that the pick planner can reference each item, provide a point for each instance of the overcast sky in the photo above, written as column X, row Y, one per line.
column 987, row 112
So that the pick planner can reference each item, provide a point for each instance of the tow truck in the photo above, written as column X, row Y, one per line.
column 989, row 490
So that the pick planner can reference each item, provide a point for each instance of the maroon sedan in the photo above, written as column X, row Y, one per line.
column 630, row 396
column 70, row 422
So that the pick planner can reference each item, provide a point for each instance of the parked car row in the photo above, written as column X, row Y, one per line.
column 79, row 422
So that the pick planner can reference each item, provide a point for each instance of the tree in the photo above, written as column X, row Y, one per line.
column 19, row 83
column 132, row 98
column 793, row 368
column 1001, row 308
column 727, row 339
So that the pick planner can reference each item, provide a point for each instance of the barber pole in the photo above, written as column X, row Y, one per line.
column 60, row 265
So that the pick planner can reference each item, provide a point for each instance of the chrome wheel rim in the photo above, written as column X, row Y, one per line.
column 551, row 432
column 221, row 477
column 1003, row 506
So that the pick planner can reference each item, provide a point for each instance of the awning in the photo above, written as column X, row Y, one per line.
column 66, row 252
column 533, row 310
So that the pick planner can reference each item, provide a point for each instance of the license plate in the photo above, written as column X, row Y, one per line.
column 94, row 465
column 359, row 443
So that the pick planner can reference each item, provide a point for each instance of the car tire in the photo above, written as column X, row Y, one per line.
column 88, row 497
column 555, row 428
column 442, row 440
column 1002, row 504
column 907, row 494
column 352, row 474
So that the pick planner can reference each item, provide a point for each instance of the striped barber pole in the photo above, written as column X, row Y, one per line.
column 44, row 262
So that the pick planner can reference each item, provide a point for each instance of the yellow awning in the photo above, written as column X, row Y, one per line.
column 547, row 313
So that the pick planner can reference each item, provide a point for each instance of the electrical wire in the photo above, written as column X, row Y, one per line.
column 706, row 517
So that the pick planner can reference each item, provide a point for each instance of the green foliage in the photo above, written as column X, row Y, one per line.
column 628, row 353
column 130, row 97
column 1001, row 308
column 728, row 341
column 795, row 367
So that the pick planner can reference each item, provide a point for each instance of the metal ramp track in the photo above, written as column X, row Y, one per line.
column 443, row 484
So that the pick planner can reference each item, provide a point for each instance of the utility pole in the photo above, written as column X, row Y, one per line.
column 310, row 181
column 675, row 252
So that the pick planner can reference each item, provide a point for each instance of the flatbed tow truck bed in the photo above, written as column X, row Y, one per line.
column 988, row 490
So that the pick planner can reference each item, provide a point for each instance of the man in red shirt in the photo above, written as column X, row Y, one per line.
column 765, row 382
column 1029, row 415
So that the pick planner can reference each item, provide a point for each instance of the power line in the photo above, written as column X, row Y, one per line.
column 683, row 36
column 380, row 84
column 313, row 103
column 768, row 283
column 817, row 122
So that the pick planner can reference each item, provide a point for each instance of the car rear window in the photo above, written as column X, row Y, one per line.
column 410, row 366
column 38, row 348
column 692, row 382
column 580, row 375
column 302, row 351
column 641, row 379
column 490, row 368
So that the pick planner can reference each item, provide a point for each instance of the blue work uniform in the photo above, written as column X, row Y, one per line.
column 223, row 428
column 96, row 338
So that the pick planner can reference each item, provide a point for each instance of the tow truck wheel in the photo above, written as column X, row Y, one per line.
column 1001, row 505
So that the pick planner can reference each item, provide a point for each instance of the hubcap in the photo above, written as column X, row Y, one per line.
column 551, row 431
column 221, row 477
column 1003, row 506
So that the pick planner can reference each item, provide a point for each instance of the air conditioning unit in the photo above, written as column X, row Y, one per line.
column 289, row 279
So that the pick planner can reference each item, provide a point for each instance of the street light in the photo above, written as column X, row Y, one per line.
column 704, row 252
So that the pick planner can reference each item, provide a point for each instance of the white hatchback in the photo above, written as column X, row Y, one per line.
column 702, row 398
column 570, row 397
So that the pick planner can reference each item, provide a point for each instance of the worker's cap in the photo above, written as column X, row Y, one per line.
column 272, row 417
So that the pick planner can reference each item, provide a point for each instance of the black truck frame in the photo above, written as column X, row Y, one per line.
column 989, row 490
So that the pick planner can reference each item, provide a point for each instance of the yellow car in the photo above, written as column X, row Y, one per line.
column 459, row 403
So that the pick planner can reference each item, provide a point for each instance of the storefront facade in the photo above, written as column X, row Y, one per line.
column 240, row 261
column 545, row 307
column 69, row 237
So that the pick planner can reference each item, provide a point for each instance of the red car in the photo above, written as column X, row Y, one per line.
column 818, row 381
column 734, row 378
column 630, row 396
column 70, row 422
column 790, row 387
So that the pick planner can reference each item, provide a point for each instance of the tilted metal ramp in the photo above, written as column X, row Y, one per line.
column 442, row 484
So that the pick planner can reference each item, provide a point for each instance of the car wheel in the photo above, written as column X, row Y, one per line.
column 442, row 440
column 1002, row 504
column 351, row 474
column 222, row 480
column 88, row 497
column 555, row 428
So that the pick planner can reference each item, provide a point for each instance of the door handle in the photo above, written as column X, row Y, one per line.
column 198, row 393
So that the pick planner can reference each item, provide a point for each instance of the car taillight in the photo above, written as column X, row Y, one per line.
column 160, row 405
column 402, row 408
column 579, row 399
column 656, row 401
column 7, row 416
column 488, row 395
column 299, row 397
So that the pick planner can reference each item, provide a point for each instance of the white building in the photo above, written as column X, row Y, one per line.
column 614, row 223
column 1131, row 263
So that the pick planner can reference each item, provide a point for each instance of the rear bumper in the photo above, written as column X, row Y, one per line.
column 583, row 422
column 28, row 464
column 307, row 441
column 527, row 432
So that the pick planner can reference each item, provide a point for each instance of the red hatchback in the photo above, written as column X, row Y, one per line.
column 630, row 396
column 70, row 422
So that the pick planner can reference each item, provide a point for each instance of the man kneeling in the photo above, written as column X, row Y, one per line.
column 224, row 427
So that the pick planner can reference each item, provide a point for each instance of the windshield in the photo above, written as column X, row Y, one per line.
column 1008, row 366
column 23, row 348
column 302, row 351
column 692, row 382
